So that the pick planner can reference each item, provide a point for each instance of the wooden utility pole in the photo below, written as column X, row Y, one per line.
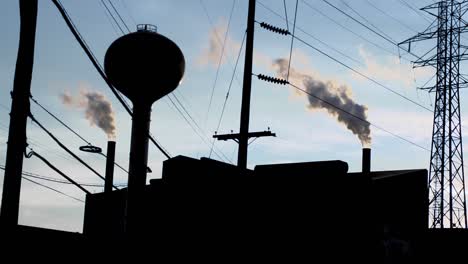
column 19, row 115
column 246, row 92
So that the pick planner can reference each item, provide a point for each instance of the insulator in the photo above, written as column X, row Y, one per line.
column 274, row 29
column 272, row 79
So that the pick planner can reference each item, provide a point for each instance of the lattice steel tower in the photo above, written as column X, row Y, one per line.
column 447, row 202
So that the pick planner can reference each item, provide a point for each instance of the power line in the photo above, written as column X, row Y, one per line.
column 52, row 189
column 349, row 30
column 56, row 180
column 222, row 156
column 128, row 11
column 404, row 3
column 357, row 117
column 390, row 16
column 45, row 186
column 228, row 91
column 67, row 149
column 327, row 45
column 109, row 19
column 292, row 39
column 372, row 30
column 226, row 34
column 286, row 14
column 359, row 22
column 70, row 129
column 112, row 15
column 33, row 153
column 210, row 21
column 363, row 75
column 98, row 67
column 58, row 120
column 366, row 20
column 118, row 14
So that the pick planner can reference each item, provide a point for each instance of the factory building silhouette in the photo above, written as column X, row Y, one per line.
column 319, row 208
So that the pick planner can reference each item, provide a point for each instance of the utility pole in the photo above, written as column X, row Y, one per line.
column 19, row 115
column 447, row 201
column 247, row 88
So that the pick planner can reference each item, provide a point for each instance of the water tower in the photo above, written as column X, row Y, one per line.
column 144, row 66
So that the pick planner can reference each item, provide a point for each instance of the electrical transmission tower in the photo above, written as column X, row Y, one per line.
column 447, row 202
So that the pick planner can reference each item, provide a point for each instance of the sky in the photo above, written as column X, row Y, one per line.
column 199, row 28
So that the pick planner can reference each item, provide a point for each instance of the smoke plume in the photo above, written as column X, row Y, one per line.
column 338, row 95
column 98, row 110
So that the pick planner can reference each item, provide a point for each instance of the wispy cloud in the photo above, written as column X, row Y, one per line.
column 214, row 50
column 391, row 69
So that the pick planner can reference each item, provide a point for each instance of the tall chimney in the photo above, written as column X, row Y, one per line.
column 366, row 160
column 109, row 167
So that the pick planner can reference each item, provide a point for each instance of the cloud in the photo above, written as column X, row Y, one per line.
column 391, row 69
column 212, row 53
column 214, row 50
column 415, row 126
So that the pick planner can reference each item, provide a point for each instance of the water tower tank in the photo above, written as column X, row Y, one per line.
column 144, row 65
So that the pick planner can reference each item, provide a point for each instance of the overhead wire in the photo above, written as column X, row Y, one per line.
column 404, row 3
column 124, row 4
column 70, row 129
column 67, row 149
column 174, row 95
column 359, row 22
column 327, row 45
column 222, row 155
column 221, row 56
column 33, row 153
column 349, row 30
column 109, row 19
column 391, row 17
column 366, row 20
column 99, row 68
column 372, row 30
column 217, row 37
column 286, row 14
column 358, row 117
column 118, row 14
column 52, row 189
column 228, row 92
column 56, row 180
column 292, row 40
column 363, row 75
column 112, row 15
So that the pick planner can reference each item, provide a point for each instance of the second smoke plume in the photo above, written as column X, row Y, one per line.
column 98, row 109
column 338, row 95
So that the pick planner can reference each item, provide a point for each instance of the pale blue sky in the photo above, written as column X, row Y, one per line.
column 60, row 65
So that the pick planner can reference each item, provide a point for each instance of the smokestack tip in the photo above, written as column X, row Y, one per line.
column 366, row 160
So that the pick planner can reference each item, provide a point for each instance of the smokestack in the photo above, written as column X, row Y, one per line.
column 109, row 167
column 366, row 160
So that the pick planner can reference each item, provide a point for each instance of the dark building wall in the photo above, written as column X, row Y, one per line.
column 318, row 203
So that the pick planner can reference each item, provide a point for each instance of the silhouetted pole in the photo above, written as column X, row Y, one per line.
column 109, row 179
column 138, row 167
column 246, row 92
column 19, row 114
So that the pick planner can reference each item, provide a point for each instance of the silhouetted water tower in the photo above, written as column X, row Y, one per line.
column 144, row 66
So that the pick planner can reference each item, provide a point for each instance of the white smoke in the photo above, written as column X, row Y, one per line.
column 98, row 109
column 337, row 95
